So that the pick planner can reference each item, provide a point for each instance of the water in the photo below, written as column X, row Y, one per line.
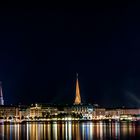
column 70, row 131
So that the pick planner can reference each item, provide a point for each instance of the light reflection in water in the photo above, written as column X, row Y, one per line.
column 54, row 131
column 101, row 130
column 69, row 131
column 91, row 130
column 27, row 133
column 104, row 130
column 2, row 132
column 77, row 132
column 49, row 132
column 66, row 133
column 44, row 131
column 117, row 132
column 63, row 130
column 87, row 131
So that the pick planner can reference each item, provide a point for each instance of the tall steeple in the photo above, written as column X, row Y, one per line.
column 1, row 95
column 77, row 97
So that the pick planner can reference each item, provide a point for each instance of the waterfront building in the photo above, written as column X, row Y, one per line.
column 48, row 110
column 99, row 113
column 35, row 111
column 113, row 112
column 86, row 110
column 24, row 112
column 132, row 111
column 122, row 111
column 43, row 110
column 9, row 111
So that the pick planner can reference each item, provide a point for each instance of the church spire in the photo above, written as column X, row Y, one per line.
column 77, row 97
column 1, row 95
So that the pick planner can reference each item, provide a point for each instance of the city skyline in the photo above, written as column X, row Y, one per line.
column 70, row 70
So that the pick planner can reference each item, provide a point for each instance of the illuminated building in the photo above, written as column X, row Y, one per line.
column 132, row 111
column 98, row 113
column 1, row 95
column 42, row 110
column 35, row 111
column 24, row 112
column 86, row 110
column 8, row 111
column 77, row 97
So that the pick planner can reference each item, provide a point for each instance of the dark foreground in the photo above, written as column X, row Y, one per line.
column 70, row 131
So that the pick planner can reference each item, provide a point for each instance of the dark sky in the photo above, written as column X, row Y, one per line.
column 42, row 48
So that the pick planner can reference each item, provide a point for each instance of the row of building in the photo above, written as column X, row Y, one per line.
column 61, row 112
column 75, row 111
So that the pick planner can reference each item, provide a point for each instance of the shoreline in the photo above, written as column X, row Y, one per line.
column 63, row 121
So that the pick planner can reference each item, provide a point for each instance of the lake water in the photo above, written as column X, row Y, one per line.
column 70, row 131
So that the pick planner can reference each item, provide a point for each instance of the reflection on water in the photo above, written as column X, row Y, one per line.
column 70, row 131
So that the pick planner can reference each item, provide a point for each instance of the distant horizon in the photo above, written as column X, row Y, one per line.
column 63, row 104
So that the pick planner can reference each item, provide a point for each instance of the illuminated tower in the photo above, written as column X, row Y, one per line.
column 77, row 97
column 1, row 95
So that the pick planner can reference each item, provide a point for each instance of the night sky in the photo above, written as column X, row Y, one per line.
column 42, row 48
